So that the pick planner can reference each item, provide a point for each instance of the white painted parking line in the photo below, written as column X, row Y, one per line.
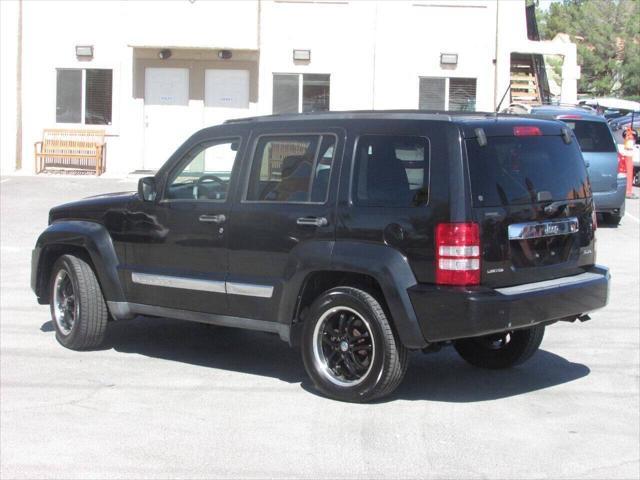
column 7, row 248
column 627, row 214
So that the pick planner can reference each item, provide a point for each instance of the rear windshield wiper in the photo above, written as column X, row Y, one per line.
column 554, row 206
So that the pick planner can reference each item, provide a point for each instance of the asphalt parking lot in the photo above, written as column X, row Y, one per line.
column 170, row 399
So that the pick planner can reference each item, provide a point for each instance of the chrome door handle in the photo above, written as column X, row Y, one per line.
column 213, row 218
column 313, row 221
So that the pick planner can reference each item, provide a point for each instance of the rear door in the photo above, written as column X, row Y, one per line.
column 599, row 151
column 398, row 187
column 285, row 207
column 531, row 196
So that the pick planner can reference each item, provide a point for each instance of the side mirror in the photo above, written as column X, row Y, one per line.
column 147, row 189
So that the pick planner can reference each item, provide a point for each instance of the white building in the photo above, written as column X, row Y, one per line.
column 156, row 72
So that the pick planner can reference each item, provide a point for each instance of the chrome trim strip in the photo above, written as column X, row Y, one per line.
column 548, row 284
column 215, row 286
column 262, row 291
column 524, row 231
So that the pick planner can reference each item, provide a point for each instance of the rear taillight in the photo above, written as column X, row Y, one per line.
column 526, row 131
column 458, row 254
column 622, row 165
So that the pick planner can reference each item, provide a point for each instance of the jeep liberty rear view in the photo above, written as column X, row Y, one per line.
column 354, row 236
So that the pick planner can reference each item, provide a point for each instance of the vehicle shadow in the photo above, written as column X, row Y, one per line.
column 446, row 377
column 441, row 376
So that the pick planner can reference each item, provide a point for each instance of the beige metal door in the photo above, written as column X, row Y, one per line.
column 226, row 95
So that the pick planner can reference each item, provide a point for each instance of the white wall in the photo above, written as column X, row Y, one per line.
column 340, row 37
column 375, row 52
column 389, row 44
column 52, row 29
column 8, row 56
column 412, row 35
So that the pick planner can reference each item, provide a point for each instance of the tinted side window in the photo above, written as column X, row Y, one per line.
column 291, row 168
column 391, row 171
column 592, row 136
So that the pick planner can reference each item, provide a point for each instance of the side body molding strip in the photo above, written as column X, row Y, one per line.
column 178, row 282
column 217, row 286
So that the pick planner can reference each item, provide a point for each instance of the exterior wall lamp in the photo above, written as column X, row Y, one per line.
column 448, row 59
column 302, row 55
column 84, row 52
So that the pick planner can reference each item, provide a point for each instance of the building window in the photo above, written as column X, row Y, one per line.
column 295, row 93
column 84, row 96
column 454, row 94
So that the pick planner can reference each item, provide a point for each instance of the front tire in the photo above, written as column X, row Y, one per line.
column 501, row 350
column 349, row 348
column 78, row 309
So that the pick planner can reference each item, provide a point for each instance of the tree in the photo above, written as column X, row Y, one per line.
column 607, row 34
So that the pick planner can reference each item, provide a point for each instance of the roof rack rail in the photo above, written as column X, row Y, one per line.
column 346, row 114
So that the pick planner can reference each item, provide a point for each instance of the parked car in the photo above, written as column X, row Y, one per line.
column 606, row 167
column 619, row 128
column 622, row 120
column 356, row 236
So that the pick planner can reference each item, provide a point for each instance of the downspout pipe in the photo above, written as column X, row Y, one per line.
column 18, row 163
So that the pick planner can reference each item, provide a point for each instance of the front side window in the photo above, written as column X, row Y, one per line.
column 291, row 169
column 391, row 171
column 295, row 93
column 84, row 96
column 205, row 172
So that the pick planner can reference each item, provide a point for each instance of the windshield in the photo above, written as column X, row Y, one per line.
column 592, row 136
column 522, row 170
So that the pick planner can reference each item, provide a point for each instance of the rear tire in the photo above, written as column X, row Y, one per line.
column 502, row 350
column 612, row 219
column 78, row 309
column 349, row 349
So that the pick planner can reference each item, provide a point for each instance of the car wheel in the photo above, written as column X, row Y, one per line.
column 349, row 349
column 78, row 309
column 502, row 350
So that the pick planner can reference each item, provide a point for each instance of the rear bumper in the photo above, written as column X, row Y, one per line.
column 612, row 201
column 448, row 313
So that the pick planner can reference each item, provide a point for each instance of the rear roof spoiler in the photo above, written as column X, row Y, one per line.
column 522, row 131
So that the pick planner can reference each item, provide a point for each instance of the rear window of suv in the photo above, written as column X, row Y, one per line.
column 514, row 170
column 592, row 136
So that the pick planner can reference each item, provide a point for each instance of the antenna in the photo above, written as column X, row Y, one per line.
column 502, row 99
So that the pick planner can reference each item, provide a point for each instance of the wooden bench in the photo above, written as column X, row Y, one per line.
column 74, row 150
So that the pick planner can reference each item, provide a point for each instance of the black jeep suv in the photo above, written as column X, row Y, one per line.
column 357, row 236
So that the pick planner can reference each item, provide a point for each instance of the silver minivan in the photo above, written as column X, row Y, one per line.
column 607, row 169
